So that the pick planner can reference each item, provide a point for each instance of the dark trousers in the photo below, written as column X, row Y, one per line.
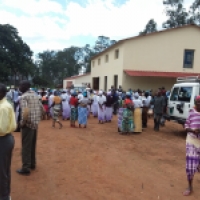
column 6, row 148
column 157, row 118
column 144, row 117
column 115, row 108
column 29, row 137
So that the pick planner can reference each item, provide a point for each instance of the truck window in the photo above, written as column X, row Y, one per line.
column 185, row 94
column 174, row 95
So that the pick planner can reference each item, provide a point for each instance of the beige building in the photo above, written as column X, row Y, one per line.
column 149, row 61
column 78, row 81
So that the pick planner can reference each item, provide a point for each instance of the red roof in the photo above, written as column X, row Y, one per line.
column 159, row 74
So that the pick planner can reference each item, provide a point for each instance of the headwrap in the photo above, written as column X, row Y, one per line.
column 95, row 92
column 100, row 92
column 136, row 95
column 128, row 94
column 197, row 98
column 85, row 93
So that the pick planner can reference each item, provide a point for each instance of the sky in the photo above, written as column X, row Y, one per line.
column 58, row 24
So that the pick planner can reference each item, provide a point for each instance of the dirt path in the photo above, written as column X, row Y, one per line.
column 97, row 163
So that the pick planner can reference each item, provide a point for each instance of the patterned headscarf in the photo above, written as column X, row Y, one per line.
column 197, row 98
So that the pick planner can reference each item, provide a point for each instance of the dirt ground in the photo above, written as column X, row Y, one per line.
column 97, row 163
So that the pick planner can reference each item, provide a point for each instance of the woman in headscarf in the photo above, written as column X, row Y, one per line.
column 56, row 105
column 83, row 110
column 74, row 112
column 101, row 107
column 137, row 113
column 127, row 117
column 65, row 105
column 192, row 127
column 109, row 109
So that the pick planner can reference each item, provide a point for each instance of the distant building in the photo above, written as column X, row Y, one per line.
column 148, row 62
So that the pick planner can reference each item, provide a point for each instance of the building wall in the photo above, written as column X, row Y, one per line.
column 109, row 69
column 146, row 83
column 163, row 51
column 78, row 80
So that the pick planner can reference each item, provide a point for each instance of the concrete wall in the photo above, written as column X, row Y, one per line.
column 163, row 51
column 78, row 80
column 146, row 83
column 109, row 69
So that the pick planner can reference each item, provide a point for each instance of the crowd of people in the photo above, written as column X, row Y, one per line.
column 23, row 109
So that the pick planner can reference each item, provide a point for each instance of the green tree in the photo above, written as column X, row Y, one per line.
column 15, row 54
column 195, row 13
column 150, row 27
column 177, row 15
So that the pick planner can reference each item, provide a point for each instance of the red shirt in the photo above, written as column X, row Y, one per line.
column 73, row 101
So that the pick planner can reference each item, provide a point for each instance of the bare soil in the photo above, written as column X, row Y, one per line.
column 97, row 163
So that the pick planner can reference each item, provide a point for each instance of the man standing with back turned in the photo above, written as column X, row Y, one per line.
column 7, row 125
column 31, row 112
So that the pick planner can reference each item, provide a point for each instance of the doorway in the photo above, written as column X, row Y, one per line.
column 105, row 83
column 96, row 83
column 116, row 81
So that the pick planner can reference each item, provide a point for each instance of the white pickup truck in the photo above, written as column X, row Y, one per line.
column 182, row 98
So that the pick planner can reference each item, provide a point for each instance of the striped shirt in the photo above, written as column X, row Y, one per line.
column 31, row 108
column 193, row 122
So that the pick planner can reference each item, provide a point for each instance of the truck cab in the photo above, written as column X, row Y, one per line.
column 182, row 97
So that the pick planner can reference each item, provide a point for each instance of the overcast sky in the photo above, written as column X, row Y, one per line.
column 57, row 24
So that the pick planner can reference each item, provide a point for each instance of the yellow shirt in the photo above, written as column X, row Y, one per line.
column 7, row 118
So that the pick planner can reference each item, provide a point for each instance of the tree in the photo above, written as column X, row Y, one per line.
column 195, row 13
column 150, row 27
column 176, row 13
column 15, row 54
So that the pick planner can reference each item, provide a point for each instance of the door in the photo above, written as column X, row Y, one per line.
column 181, row 101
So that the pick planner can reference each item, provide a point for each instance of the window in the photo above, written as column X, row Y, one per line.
column 93, row 63
column 99, row 61
column 188, row 59
column 106, row 59
column 181, row 94
column 116, row 53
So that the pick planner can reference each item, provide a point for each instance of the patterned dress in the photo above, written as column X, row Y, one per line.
column 127, row 121
column 192, row 145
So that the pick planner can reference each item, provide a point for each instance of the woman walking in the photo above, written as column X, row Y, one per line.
column 109, row 109
column 95, row 104
column 56, row 105
column 192, row 127
column 74, row 111
column 101, row 107
column 127, row 117
column 83, row 110
column 65, row 105
column 137, row 113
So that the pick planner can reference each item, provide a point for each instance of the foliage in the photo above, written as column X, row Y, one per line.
column 195, row 13
column 15, row 54
column 177, row 15
column 150, row 27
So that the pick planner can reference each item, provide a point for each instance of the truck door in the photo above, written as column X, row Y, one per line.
column 180, row 101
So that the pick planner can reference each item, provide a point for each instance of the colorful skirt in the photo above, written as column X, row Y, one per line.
column 74, row 114
column 82, row 115
column 138, row 120
column 127, row 122
column 192, row 160
column 56, row 112
column 120, row 116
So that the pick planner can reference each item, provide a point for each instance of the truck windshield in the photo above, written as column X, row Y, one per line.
column 181, row 94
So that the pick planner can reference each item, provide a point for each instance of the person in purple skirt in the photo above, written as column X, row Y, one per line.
column 192, row 127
